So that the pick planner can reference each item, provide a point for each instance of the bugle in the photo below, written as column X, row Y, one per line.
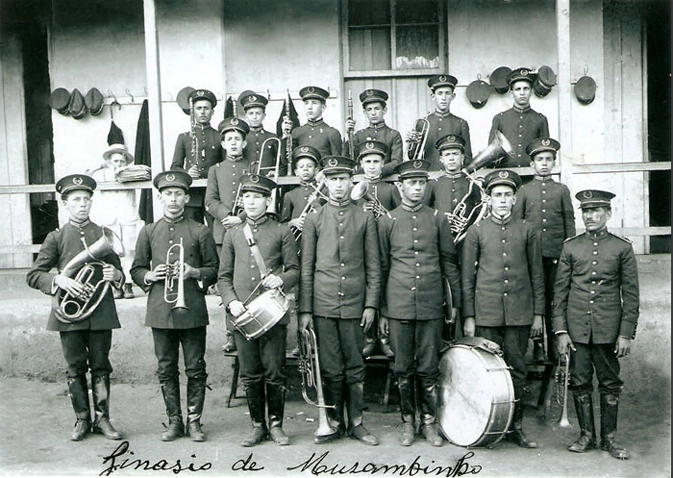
column 272, row 171
column 309, row 367
column 418, row 138
column 175, row 293
column 361, row 190
column 563, row 400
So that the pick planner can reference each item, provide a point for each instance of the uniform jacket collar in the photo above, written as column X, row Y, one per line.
column 79, row 225
column 410, row 208
column 170, row 220
column 317, row 122
column 335, row 203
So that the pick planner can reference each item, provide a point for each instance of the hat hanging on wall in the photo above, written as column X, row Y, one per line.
column 499, row 79
column 585, row 90
column 59, row 100
column 545, row 80
column 94, row 101
column 183, row 98
column 77, row 106
column 478, row 92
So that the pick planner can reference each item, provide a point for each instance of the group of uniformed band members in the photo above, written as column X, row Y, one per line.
column 361, row 269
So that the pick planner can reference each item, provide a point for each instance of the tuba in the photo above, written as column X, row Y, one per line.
column 462, row 217
column 72, row 309
column 175, row 294
column 309, row 367
column 275, row 170
column 416, row 146
column 361, row 190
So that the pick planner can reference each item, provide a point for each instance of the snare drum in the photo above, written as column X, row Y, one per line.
column 262, row 313
column 476, row 397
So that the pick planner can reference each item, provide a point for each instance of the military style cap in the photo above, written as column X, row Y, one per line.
column 251, row 100
column 545, row 80
column 118, row 148
column 373, row 96
column 306, row 151
column 257, row 184
column 313, row 92
column 372, row 147
column 542, row 144
column 585, row 90
column 75, row 182
column 207, row 95
column 590, row 198
column 76, row 105
column 521, row 74
column 59, row 100
column 337, row 164
column 499, row 77
column 172, row 179
column 183, row 98
column 233, row 124
column 417, row 168
column 478, row 92
column 502, row 177
column 94, row 101
column 450, row 141
column 438, row 81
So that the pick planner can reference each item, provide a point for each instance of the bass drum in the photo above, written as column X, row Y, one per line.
column 476, row 396
column 262, row 313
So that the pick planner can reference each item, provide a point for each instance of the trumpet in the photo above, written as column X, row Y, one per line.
column 419, row 136
column 309, row 367
column 361, row 190
column 315, row 195
column 175, row 271
column 563, row 421
column 275, row 170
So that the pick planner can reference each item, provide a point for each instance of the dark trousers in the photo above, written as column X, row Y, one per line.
column 550, row 265
column 167, row 350
column 513, row 340
column 416, row 344
column 603, row 359
column 340, row 343
column 86, row 350
column 262, row 358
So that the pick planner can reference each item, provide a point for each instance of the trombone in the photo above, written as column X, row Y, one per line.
column 418, row 138
column 274, row 170
column 175, row 294
column 310, row 205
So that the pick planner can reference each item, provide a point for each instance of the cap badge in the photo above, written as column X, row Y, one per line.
column 524, row 72
column 442, row 78
column 170, row 177
column 77, row 180
column 254, row 178
column 200, row 93
column 234, row 121
column 304, row 149
column 546, row 142
column 252, row 99
column 369, row 93
column 418, row 164
column 503, row 174
column 369, row 145
column 587, row 194
column 451, row 137
column 333, row 162
column 310, row 89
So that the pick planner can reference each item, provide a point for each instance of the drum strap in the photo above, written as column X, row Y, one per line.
column 256, row 253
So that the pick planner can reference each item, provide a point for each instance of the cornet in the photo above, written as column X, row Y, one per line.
column 361, row 190
column 416, row 145
column 175, row 294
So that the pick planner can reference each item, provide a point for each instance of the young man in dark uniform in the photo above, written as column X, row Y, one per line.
column 86, row 343
column 503, row 299
column 547, row 204
column 596, row 309
column 259, row 254
column 520, row 124
column 374, row 107
column 171, row 325
column 442, row 122
column 417, row 255
column 197, row 150
column 339, row 294
column 305, row 159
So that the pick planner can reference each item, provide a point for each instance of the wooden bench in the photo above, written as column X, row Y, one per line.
column 380, row 361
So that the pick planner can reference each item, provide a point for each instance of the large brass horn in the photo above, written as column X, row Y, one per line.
column 73, row 309
column 419, row 136
column 361, row 190
column 495, row 151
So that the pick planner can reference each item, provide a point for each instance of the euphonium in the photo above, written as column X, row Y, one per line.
column 309, row 367
column 361, row 190
column 175, row 294
column 264, row 170
column 416, row 145
column 74, row 309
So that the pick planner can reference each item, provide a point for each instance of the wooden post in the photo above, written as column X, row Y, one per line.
column 565, row 91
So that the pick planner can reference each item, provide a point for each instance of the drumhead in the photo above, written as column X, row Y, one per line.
column 476, row 396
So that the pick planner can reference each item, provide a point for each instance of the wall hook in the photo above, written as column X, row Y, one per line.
column 129, row 93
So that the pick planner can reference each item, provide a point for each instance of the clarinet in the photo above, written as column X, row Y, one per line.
column 351, row 146
column 288, row 143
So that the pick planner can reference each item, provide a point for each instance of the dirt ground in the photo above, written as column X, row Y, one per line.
column 37, row 420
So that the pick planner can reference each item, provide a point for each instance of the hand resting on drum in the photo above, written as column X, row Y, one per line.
column 236, row 307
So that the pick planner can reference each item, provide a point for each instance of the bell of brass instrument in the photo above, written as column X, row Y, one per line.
column 361, row 190
column 75, row 309
column 175, row 293
column 309, row 367
column 310, row 205
column 275, row 170
column 416, row 146
column 563, row 396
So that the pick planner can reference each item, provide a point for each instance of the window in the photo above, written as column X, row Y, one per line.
column 394, row 37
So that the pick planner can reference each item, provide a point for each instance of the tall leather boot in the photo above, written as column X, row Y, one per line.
column 385, row 346
column 515, row 433
column 196, row 396
column 585, row 417
column 170, row 389
column 275, row 402
column 370, row 342
column 609, row 409
column 333, row 392
column 79, row 397
column 255, row 395
column 407, row 410
column 100, row 387
column 429, row 415
column 355, row 403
